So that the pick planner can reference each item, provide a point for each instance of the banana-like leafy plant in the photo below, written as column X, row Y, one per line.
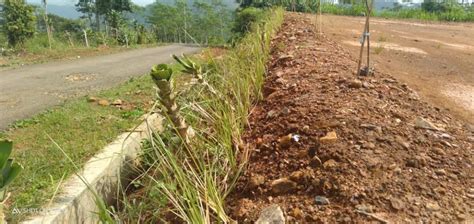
column 194, row 69
column 9, row 171
column 191, row 67
column 162, row 75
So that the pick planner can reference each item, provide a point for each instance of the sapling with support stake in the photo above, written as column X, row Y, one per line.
column 365, row 36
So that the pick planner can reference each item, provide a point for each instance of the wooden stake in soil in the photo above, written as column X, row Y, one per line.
column 85, row 38
column 365, row 36
column 320, row 19
column 69, row 37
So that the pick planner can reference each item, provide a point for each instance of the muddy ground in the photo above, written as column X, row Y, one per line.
column 329, row 147
column 436, row 59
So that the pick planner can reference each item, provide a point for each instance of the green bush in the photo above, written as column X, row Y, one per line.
column 348, row 10
column 39, row 43
column 441, row 12
column 245, row 18
column 19, row 21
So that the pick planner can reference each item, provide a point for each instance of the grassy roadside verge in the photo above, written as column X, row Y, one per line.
column 188, row 183
column 81, row 128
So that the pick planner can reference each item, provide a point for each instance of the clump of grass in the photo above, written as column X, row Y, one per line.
column 382, row 39
column 190, row 183
column 378, row 49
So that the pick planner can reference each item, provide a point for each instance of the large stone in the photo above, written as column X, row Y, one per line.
column 330, row 164
column 397, row 204
column 271, row 215
column 321, row 200
column 283, row 185
column 256, row 180
column 329, row 138
column 425, row 124
column 355, row 84
column 285, row 141
column 104, row 103
column 433, row 206
column 117, row 102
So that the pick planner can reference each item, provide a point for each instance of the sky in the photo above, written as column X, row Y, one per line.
column 142, row 2
column 72, row 2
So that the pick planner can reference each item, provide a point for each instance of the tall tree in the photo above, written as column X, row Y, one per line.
column 166, row 22
column 86, row 7
column 19, row 21
column 103, row 8
column 47, row 22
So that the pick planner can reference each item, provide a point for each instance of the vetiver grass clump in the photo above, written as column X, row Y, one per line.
column 189, row 182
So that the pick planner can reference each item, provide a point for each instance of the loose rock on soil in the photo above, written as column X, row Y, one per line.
column 368, row 145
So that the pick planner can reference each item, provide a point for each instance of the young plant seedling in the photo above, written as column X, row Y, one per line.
column 162, row 75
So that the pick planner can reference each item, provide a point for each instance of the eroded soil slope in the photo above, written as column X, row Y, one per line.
column 332, row 147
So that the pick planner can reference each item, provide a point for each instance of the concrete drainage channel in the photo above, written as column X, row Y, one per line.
column 103, row 173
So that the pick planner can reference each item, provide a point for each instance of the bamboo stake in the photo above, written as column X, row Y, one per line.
column 362, row 48
column 368, row 36
column 320, row 19
column 365, row 36
column 85, row 38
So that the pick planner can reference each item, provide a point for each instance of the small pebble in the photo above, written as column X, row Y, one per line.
column 321, row 200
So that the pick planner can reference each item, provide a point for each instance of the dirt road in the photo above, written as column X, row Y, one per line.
column 29, row 90
column 436, row 59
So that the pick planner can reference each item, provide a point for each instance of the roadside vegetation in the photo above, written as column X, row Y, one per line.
column 31, row 35
column 81, row 127
column 186, row 176
column 448, row 10
column 436, row 11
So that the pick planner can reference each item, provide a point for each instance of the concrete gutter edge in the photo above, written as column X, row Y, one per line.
column 103, row 173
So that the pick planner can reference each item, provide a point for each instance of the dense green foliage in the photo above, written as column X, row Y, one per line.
column 19, row 21
column 120, row 22
column 289, row 5
column 448, row 10
column 103, row 8
column 350, row 10
column 202, row 22
column 431, row 10
column 245, row 18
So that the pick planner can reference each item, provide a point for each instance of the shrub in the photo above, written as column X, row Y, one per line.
column 19, row 21
column 245, row 18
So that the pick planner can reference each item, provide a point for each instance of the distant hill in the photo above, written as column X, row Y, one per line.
column 63, row 8
column 67, row 11
column 66, row 8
